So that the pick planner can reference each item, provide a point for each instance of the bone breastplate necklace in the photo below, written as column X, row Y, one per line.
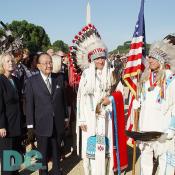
column 152, row 81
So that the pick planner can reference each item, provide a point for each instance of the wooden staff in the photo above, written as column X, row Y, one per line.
column 136, row 119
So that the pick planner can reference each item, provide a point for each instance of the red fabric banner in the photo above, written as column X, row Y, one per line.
column 122, row 139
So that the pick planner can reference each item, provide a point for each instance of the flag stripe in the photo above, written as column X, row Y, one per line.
column 132, row 86
column 131, row 70
column 135, row 51
column 137, row 39
column 136, row 45
column 134, row 57
column 130, row 106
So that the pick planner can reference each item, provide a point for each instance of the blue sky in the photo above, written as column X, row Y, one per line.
column 115, row 19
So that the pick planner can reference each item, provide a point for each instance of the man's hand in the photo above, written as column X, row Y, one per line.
column 168, row 135
column 3, row 132
column 136, row 104
column 106, row 101
column 30, row 135
column 163, row 138
column 98, row 108
column 83, row 128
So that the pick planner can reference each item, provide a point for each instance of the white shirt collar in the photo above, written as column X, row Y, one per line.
column 45, row 77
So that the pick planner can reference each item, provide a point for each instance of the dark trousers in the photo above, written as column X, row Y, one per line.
column 46, row 146
column 8, row 144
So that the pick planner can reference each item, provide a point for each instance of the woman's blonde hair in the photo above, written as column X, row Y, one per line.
column 26, row 51
column 2, row 56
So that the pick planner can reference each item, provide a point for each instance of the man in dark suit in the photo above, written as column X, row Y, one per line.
column 46, row 111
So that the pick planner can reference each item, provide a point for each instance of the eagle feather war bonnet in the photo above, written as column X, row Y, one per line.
column 164, row 51
column 9, row 43
column 88, row 46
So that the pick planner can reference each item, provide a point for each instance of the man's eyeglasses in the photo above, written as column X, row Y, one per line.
column 45, row 64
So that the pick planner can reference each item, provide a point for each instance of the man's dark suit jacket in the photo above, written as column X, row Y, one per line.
column 10, row 111
column 44, row 110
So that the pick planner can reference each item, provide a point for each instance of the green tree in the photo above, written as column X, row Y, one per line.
column 34, row 37
column 60, row 45
column 124, row 49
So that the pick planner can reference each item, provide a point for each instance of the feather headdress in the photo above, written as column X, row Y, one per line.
column 9, row 43
column 87, row 47
column 164, row 51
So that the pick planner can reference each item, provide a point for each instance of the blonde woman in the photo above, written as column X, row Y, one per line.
column 10, row 115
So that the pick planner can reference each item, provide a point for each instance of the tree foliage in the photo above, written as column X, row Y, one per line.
column 34, row 37
column 124, row 49
column 60, row 45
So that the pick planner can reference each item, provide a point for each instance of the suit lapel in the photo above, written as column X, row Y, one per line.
column 15, row 86
column 11, row 86
column 42, row 84
column 53, row 83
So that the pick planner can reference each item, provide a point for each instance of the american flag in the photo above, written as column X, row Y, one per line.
column 136, row 59
column 135, row 65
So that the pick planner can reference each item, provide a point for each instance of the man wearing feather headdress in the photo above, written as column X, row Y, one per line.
column 157, row 97
column 97, row 123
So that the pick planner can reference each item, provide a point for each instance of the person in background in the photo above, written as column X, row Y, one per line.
column 22, row 73
column 57, row 62
column 33, row 64
column 10, row 110
column 50, row 52
column 64, row 65
column 26, row 57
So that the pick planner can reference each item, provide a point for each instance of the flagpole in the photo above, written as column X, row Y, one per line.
column 136, row 111
column 136, row 119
